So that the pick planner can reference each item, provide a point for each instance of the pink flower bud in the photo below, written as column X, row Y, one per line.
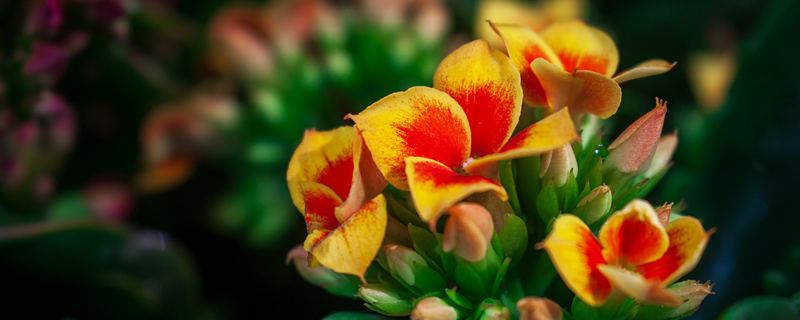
column 468, row 231
column 558, row 165
column 636, row 144
column 433, row 308
column 535, row 308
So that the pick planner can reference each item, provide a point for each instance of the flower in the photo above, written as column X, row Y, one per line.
column 635, row 254
column 537, row 15
column 570, row 64
column 327, row 167
column 424, row 138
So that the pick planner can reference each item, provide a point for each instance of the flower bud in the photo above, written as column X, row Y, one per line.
column 411, row 268
column 535, row 308
column 663, row 213
column 635, row 145
column 320, row 276
column 558, row 164
column 468, row 231
column 495, row 312
column 594, row 205
column 690, row 292
column 664, row 150
column 384, row 300
column 433, row 308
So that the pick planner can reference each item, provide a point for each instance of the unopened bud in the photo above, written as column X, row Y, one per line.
column 594, row 205
column 663, row 213
column 385, row 301
column 495, row 312
column 408, row 266
column 558, row 164
column 320, row 276
column 636, row 144
column 690, row 293
column 468, row 231
column 433, row 308
column 664, row 150
column 535, row 308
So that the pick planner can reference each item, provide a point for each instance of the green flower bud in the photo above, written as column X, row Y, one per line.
column 385, row 301
column 558, row 164
column 410, row 267
column 594, row 205
column 690, row 292
column 495, row 312
column 320, row 276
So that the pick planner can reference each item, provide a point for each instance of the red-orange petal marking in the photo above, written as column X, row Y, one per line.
column 633, row 235
column 549, row 133
column 419, row 122
column 581, row 47
column 525, row 45
column 324, row 157
column 320, row 202
column 487, row 86
column 368, row 181
column 435, row 187
column 687, row 240
column 576, row 254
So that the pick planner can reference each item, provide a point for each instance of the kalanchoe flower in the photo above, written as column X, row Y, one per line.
column 558, row 165
column 635, row 254
column 536, row 308
column 570, row 64
column 468, row 231
column 333, row 184
column 536, row 16
column 633, row 149
column 423, row 138
column 434, row 308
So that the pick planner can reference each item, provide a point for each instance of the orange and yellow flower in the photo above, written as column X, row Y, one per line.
column 635, row 254
column 423, row 139
column 336, row 187
column 571, row 64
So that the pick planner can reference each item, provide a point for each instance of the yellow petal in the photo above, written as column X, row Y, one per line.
column 435, row 187
column 581, row 91
column 644, row 69
column 351, row 247
column 581, row 47
column 523, row 46
column 487, row 87
column 325, row 157
column 419, row 122
column 549, row 133
column 687, row 240
column 320, row 202
column 635, row 286
column 633, row 235
column 576, row 254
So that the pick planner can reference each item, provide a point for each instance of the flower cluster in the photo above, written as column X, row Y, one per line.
column 429, row 202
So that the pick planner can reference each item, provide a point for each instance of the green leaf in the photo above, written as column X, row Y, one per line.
column 528, row 181
column 507, row 180
column 583, row 311
column 458, row 298
column 547, row 203
column 569, row 192
column 469, row 280
column 513, row 237
column 501, row 274
column 425, row 244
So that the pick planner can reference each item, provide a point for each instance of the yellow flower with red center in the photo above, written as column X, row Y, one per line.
column 635, row 254
column 334, row 183
column 571, row 64
column 423, row 139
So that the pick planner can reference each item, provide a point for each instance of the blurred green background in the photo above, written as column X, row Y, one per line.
column 144, row 142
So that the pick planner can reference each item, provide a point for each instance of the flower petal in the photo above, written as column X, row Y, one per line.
column 635, row 286
column 523, row 46
column 487, row 86
column 324, row 157
column 583, row 91
column 645, row 69
column 368, row 181
column 435, row 187
column 419, row 122
column 549, row 133
column 581, row 47
column 687, row 240
column 320, row 202
column 633, row 235
column 576, row 254
column 351, row 247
